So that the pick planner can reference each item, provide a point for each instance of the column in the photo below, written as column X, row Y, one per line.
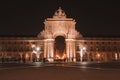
column 70, row 50
column 88, row 56
column 74, row 52
column 105, row 55
column 50, row 50
column 67, row 50
column 31, row 58
column 81, row 55
column 38, row 56
column 45, row 49
column 21, row 57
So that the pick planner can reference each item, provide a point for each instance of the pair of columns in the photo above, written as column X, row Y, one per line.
column 49, row 50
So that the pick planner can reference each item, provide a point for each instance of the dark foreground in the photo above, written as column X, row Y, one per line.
column 58, row 72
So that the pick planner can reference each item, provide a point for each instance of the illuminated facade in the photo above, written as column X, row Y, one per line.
column 60, row 41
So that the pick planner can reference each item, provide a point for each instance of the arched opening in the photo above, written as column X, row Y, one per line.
column 34, row 57
column 60, row 49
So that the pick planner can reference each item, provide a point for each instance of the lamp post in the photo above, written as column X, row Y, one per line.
column 81, row 53
column 37, row 53
column 36, row 50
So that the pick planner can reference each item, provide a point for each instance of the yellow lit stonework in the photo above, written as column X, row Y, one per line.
column 77, row 47
column 60, row 25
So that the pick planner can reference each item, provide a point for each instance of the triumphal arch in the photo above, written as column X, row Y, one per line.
column 59, row 41
column 59, row 37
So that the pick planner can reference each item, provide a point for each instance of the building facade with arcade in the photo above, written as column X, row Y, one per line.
column 59, row 41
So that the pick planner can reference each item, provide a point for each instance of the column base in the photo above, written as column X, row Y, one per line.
column 74, row 59
column 50, row 59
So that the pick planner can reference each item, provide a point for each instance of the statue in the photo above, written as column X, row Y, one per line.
column 60, row 13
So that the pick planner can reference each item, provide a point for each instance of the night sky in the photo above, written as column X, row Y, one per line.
column 95, row 18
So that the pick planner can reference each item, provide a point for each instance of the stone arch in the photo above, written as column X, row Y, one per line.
column 60, row 48
column 34, row 57
column 60, row 34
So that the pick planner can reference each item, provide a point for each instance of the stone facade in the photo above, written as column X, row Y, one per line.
column 76, row 47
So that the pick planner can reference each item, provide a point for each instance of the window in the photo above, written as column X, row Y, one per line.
column 21, row 49
column 102, row 42
column 85, row 42
column 114, row 42
column 14, row 42
column 33, row 42
column 91, row 48
column 9, row 42
column 97, row 42
column 103, row 48
column 108, row 42
column 91, row 42
column 115, row 48
column 109, row 49
column 21, row 42
column 27, row 42
column 77, row 48
column 3, row 42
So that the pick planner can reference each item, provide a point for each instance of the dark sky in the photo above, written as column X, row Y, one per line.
column 94, row 17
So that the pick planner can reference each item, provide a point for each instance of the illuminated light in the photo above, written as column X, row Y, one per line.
column 63, row 56
column 69, row 39
column 84, row 63
column 84, row 48
column 37, row 48
column 34, row 52
column 119, row 55
column 98, row 55
column 33, row 46
column 50, row 60
column 38, row 56
column 116, row 56
column 81, row 53
column 27, row 56
column 49, row 40
column 57, row 57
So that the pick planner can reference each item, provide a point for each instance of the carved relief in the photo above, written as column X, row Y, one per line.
column 59, row 25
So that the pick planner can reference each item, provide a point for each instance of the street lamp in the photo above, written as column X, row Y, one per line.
column 36, row 51
column 81, row 53
column 33, row 46
column 84, row 48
